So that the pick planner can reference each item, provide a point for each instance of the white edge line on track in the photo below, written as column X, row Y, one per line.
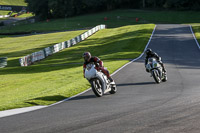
column 29, row 109
column 140, row 55
column 194, row 37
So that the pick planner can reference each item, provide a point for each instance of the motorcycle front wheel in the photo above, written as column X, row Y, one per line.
column 156, row 77
column 97, row 87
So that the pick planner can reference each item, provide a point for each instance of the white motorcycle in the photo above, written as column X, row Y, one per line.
column 99, row 81
column 156, row 70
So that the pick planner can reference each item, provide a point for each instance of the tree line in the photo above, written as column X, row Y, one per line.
column 44, row 9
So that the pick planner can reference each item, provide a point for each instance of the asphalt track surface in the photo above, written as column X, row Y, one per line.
column 140, row 105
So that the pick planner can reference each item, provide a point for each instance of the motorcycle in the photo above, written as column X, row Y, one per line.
column 99, row 82
column 156, row 70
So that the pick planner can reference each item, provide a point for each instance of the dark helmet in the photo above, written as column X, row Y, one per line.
column 86, row 56
column 148, row 51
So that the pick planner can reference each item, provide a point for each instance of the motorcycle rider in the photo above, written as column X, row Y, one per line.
column 149, row 54
column 98, row 64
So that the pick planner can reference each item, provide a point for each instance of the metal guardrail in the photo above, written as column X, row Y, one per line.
column 42, row 54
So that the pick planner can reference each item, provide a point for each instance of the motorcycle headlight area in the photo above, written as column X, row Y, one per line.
column 88, row 68
column 148, row 66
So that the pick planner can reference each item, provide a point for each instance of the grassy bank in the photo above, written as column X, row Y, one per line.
column 15, row 47
column 115, row 18
column 4, row 12
column 60, row 76
column 13, row 2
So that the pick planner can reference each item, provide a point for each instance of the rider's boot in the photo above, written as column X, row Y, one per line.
column 110, row 78
column 164, row 70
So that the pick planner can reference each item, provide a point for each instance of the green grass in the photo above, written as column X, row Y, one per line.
column 116, row 18
column 4, row 12
column 60, row 76
column 13, row 47
column 196, row 29
column 13, row 2
column 25, row 15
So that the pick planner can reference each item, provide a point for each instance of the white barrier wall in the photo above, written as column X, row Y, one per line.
column 4, row 16
column 42, row 54
column 48, row 51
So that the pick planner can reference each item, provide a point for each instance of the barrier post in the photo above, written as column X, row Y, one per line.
column 3, row 62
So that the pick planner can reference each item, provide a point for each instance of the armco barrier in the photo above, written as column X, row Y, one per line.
column 36, row 56
column 26, row 60
column 42, row 54
column 3, row 62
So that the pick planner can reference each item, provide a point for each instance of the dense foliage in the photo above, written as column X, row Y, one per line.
column 65, row 8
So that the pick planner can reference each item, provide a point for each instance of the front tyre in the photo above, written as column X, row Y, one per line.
column 97, row 87
column 156, row 77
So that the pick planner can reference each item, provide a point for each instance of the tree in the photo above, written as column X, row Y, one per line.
column 44, row 9
column 39, row 8
column 143, row 3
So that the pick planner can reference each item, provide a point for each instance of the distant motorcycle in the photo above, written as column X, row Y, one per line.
column 156, row 70
column 99, row 82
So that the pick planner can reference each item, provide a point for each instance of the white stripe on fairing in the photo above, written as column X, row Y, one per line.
column 194, row 37
column 29, row 109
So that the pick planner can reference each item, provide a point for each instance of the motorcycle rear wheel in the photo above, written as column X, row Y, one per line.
column 97, row 87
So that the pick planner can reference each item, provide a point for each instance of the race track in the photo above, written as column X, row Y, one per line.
column 140, row 105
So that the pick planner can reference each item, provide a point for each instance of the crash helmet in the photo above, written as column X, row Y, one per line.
column 148, row 51
column 86, row 56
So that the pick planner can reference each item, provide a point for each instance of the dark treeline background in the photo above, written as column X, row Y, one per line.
column 44, row 9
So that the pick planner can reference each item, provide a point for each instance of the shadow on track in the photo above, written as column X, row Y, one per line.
column 142, row 83
column 84, row 97
column 57, row 98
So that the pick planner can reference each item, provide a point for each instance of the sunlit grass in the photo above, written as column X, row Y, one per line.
column 4, row 12
column 60, row 76
column 26, row 15
column 15, row 47
column 13, row 2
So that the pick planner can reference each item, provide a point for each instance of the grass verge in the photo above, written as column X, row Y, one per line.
column 4, row 12
column 60, row 76
column 196, row 29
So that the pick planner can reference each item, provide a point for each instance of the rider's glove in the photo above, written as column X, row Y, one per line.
column 100, row 68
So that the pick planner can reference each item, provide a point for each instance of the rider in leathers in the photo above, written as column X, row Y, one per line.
column 149, row 54
column 98, row 64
